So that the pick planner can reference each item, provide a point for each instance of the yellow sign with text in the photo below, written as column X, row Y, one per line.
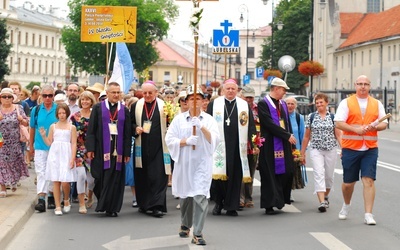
column 108, row 24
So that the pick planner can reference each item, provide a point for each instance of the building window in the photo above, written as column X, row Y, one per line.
column 26, row 38
column 46, row 67
column 46, row 42
column 373, row 6
column 336, row 63
column 362, row 58
column 33, row 39
column 40, row 67
column 370, row 57
column 348, row 61
column 11, row 36
column 11, row 64
column 59, row 68
column 167, row 76
column 250, row 52
column 389, row 53
column 342, row 61
column 355, row 59
column 40, row 41
column 26, row 65
column 33, row 66
column 19, row 38
column 52, row 43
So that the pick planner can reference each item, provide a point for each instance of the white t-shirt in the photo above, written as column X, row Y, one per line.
column 342, row 112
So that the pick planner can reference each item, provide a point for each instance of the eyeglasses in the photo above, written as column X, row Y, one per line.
column 47, row 95
column 7, row 97
column 362, row 84
column 115, row 92
column 169, row 92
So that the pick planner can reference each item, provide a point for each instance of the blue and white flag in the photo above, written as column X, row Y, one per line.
column 123, row 68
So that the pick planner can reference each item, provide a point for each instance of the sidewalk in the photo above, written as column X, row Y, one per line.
column 16, row 209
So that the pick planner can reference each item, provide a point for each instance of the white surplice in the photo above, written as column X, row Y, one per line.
column 192, row 173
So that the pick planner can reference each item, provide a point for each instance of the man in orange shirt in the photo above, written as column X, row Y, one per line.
column 358, row 117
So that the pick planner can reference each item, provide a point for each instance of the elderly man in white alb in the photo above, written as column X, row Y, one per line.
column 358, row 116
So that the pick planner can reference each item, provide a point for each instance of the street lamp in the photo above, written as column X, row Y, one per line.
column 279, row 26
column 243, row 8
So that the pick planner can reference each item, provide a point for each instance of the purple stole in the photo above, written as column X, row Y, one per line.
column 279, row 154
column 105, row 116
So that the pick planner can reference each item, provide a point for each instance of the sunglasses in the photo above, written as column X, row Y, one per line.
column 47, row 95
column 7, row 97
column 169, row 92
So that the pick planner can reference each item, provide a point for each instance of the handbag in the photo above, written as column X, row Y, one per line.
column 23, row 131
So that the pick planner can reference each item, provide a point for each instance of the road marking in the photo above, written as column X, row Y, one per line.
column 125, row 242
column 389, row 166
column 330, row 241
column 290, row 209
column 388, row 139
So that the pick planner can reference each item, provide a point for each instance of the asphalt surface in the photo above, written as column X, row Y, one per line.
column 17, row 207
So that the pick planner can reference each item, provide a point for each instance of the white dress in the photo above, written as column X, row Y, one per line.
column 58, row 160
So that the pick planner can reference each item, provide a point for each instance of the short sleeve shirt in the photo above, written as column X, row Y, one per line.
column 322, row 132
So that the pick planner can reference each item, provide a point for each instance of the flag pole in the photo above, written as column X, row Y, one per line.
column 196, row 4
column 107, row 72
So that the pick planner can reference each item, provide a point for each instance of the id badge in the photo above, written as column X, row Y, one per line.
column 282, row 123
column 146, row 127
column 113, row 128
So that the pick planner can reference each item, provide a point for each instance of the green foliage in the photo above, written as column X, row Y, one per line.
column 31, row 85
column 152, row 25
column 4, row 50
column 292, row 40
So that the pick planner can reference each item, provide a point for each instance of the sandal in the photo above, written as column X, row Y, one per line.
column 184, row 232
column 198, row 240
column 89, row 203
column 3, row 194
column 14, row 188
column 82, row 209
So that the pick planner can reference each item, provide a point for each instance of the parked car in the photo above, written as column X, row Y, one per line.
column 303, row 102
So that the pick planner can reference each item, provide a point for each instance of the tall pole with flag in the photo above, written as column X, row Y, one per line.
column 123, row 68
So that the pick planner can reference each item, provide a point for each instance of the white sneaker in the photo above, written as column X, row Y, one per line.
column 369, row 219
column 344, row 212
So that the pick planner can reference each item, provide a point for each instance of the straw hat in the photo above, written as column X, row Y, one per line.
column 97, row 87
column 9, row 92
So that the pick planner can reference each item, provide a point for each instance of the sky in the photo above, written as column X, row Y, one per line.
column 214, row 13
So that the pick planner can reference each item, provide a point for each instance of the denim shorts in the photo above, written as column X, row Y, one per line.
column 359, row 163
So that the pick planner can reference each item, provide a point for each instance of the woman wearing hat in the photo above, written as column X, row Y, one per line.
column 96, row 89
column 12, row 164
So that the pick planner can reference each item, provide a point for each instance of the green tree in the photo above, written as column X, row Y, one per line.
column 153, row 17
column 5, row 49
column 292, row 40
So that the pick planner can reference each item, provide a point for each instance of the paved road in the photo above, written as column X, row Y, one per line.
column 299, row 226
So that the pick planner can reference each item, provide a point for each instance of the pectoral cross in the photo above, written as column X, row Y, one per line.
column 228, row 121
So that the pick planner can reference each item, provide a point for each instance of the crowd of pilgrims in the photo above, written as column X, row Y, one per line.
column 71, row 139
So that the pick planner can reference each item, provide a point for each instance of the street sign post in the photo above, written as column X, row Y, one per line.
column 246, row 79
column 259, row 72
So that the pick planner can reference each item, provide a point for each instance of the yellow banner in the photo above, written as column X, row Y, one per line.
column 108, row 24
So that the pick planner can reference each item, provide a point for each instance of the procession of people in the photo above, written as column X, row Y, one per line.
column 214, row 147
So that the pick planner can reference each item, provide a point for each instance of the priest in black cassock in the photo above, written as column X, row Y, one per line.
column 152, row 160
column 276, row 159
column 230, row 164
column 108, row 144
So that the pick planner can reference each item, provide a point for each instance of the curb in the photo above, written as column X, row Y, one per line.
column 18, row 213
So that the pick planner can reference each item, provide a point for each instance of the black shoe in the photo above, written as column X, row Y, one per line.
column 217, row 210
column 111, row 214
column 184, row 232
column 232, row 213
column 50, row 203
column 157, row 213
column 269, row 211
column 41, row 206
column 141, row 210
column 322, row 207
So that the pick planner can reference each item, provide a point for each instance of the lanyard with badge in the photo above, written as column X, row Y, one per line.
column 281, row 121
column 113, row 128
column 113, row 123
column 149, row 116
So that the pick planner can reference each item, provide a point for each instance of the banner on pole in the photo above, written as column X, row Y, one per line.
column 108, row 24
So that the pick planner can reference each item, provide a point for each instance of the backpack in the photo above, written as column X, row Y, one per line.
column 35, row 117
